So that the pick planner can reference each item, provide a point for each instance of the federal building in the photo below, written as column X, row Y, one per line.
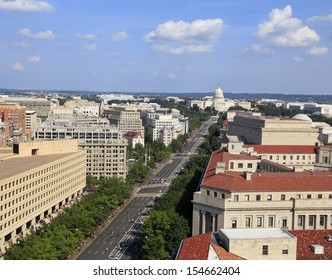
column 37, row 180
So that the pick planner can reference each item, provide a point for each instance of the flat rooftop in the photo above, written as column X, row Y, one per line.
column 256, row 233
column 14, row 166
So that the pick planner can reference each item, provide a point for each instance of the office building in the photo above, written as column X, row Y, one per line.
column 36, row 180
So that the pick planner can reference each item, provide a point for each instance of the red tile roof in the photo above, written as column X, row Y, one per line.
column 305, row 238
column 219, row 156
column 132, row 134
column 283, row 149
column 197, row 248
column 266, row 181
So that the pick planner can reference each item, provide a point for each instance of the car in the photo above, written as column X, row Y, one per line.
column 112, row 257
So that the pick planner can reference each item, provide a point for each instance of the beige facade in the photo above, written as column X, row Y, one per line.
column 106, row 149
column 165, row 128
column 248, row 199
column 36, row 181
column 273, row 131
column 259, row 244
column 126, row 118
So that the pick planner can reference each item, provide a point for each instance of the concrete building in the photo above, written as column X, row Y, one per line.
column 165, row 128
column 126, row 118
column 106, row 149
column 266, row 130
column 31, row 122
column 41, row 105
column 253, row 198
column 36, row 180
column 324, row 158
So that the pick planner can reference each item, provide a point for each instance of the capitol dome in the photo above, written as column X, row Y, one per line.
column 218, row 93
column 301, row 117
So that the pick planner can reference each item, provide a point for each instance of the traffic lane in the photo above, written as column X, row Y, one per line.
column 114, row 232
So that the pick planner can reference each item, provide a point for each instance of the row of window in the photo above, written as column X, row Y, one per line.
column 269, row 197
column 291, row 157
column 37, row 174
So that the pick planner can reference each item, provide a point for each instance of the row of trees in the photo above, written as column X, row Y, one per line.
column 61, row 237
column 170, row 222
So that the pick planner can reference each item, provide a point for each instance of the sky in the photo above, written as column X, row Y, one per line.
column 248, row 46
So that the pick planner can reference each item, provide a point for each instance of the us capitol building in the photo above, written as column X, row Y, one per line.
column 218, row 102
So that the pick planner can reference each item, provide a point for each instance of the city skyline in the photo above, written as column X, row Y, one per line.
column 172, row 46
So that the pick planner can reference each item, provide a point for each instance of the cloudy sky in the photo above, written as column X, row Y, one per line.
column 167, row 46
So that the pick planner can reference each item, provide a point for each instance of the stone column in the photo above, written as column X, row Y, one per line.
column 214, row 222
column 203, row 222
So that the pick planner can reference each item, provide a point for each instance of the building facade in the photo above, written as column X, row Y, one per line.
column 36, row 181
column 228, row 198
column 266, row 130
column 105, row 148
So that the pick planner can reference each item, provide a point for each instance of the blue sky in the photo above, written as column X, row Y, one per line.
column 167, row 46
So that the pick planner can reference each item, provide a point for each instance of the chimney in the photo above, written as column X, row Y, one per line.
column 220, row 167
column 247, row 175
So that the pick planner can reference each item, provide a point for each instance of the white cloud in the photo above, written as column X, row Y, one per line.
column 259, row 50
column 184, row 37
column 171, row 76
column 18, row 66
column 121, row 36
column 86, row 36
column 320, row 18
column 47, row 35
column 317, row 51
column 298, row 58
column 90, row 47
column 283, row 30
column 23, row 45
column 34, row 58
column 25, row 6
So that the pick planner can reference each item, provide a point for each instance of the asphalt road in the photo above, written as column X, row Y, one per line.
column 120, row 238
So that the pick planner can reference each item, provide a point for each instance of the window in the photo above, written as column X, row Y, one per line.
column 222, row 195
column 322, row 220
column 284, row 157
column 271, row 221
column 271, row 157
column 236, row 197
column 300, row 221
column 248, row 222
column 308, row 196
column 265, row 250
column 249, row 165
column 269, row 197
column 240, row 165
column 284, row 223
column 298, row 196
column 215, row 194
column 258, row 197
column 234, row 223
column 291, row 157
column 207, row 192
column 259, row 221
column 246, row 197
column 320, row 196
column 312, row 221
column 330, row 195
column 283, row 197
column 277, row 157
column 285, row 249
